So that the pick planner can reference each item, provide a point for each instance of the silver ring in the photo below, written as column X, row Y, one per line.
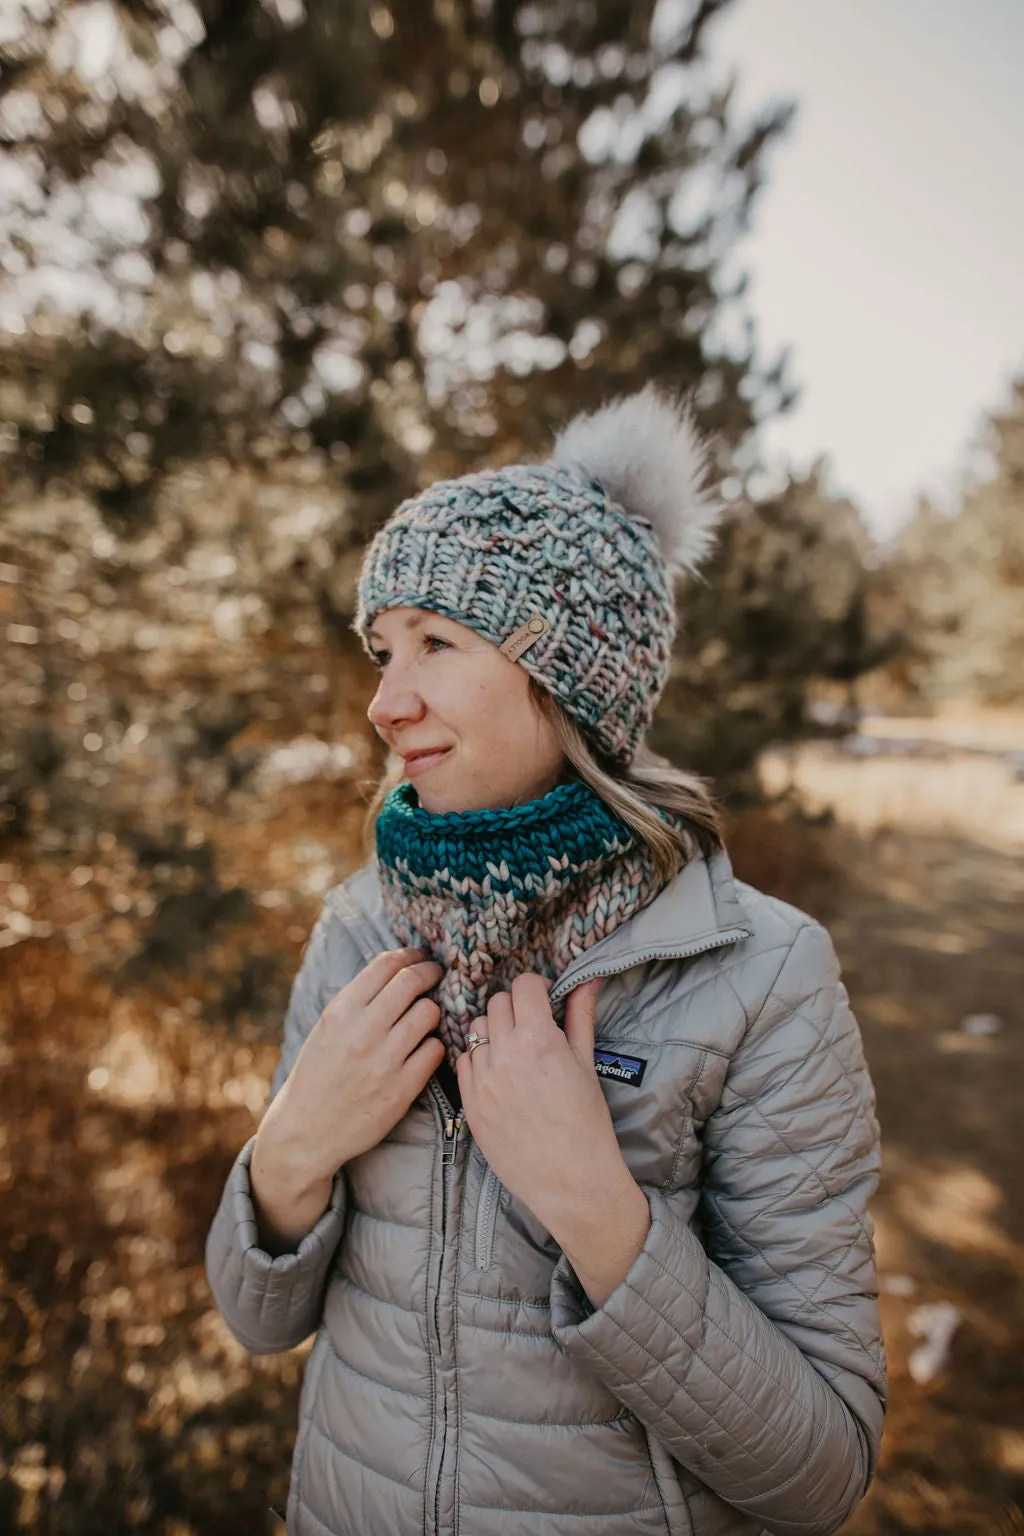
column 473, row 1040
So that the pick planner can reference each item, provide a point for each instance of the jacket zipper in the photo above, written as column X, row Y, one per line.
column 486, row 1214
column 451, row 1126
column 449, row 1145
column 637, row 957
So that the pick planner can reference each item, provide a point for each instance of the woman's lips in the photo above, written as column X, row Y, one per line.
column 415, row 765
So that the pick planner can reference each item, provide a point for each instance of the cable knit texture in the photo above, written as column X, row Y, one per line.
column 491, row 548
column 495, row 893
column 590, row 541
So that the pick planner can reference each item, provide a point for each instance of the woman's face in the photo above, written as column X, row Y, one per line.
column 444, row 686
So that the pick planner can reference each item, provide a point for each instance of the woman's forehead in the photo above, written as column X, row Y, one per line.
column 398, row 619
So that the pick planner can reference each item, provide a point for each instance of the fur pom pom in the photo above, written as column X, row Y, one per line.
column 651, row 459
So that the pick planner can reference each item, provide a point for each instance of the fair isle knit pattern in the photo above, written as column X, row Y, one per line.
column 491, row 548
column 492, row 894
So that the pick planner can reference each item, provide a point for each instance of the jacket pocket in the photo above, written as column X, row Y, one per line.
column 486, row 1219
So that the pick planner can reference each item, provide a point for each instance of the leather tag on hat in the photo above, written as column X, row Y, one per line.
column 528, row 632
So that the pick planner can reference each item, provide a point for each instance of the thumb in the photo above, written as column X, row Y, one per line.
column 580, row 1013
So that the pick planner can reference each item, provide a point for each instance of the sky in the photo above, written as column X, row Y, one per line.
column 887, row 246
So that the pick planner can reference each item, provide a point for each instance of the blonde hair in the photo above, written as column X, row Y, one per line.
column 634, row 793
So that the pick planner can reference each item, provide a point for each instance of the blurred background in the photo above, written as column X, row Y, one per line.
column 268, row 266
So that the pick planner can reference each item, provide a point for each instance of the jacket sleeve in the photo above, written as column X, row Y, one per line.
column 273, row 1303
column 757, row 1357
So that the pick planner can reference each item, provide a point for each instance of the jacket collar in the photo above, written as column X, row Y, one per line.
column 702, row 912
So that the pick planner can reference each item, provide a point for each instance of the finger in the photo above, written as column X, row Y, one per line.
column 500, row 1020
column 530, row 1001
column 477, row 1058
column 401, row 991
column 471, row 1073
column 580, row 1013
column 416, row 1022
column 464, row 1072
column 416, row 1072
column 364, row 987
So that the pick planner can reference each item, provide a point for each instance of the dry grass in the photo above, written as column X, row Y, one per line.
column 926, row 910
column 955, row 794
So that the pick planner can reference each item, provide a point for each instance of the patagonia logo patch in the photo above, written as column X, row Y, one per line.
column 623, row 1069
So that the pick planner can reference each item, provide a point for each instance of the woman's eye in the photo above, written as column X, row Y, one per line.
column 380, row 659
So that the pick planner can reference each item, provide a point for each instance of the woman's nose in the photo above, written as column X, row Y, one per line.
column 394, row 702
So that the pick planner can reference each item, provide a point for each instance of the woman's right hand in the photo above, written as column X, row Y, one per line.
column 363, row 1063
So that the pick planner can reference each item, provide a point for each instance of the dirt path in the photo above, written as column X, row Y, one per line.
column 930, row 929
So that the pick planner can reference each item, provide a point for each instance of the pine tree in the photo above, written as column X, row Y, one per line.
column 407, row 235
column 320, row 255
column 963, row 577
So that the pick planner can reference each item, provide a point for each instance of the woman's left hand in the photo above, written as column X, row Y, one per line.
column 535, row 1106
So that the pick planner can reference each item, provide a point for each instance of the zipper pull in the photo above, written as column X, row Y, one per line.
column 452, row 1127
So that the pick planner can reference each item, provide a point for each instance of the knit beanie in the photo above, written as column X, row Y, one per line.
column 568, row 565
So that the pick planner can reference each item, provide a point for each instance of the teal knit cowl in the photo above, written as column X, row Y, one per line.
column 492, row 894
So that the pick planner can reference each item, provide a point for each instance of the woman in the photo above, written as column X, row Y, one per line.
column 569, row 1149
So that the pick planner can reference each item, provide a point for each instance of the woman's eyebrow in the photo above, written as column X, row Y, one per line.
column 410, row 621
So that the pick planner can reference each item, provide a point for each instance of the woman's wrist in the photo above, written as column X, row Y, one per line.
column 289, row 1194
column 603, row 1236
column 290, row 1157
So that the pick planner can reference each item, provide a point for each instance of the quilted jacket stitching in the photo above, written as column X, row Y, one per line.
column 845, row 1073
column 839, row 999
column 380, row 1301
column 730, row 962
column 799, row 1157
column 564, row 1514
column 708, row 1320
column 846, row 1070
column 791, row 1522
column 837, row 1328
column 828, row 1272
column 778, row 1086
column 661, row 1367
column 670, row 1275
column 374, row 1381
column 683, row 996
column 711, row 1197
column 814, row 1525
column 787, row 945
column 741, row 1101
column 506, row 1333
column 396, row 1482
column 692, row 1353
column 816, row 1184
column 386, row 1221
column 621, row 1419
column 532, row 1303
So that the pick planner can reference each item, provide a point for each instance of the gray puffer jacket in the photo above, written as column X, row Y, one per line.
column 461, row 1382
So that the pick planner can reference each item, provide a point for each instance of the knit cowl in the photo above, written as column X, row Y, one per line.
column 491, row 894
